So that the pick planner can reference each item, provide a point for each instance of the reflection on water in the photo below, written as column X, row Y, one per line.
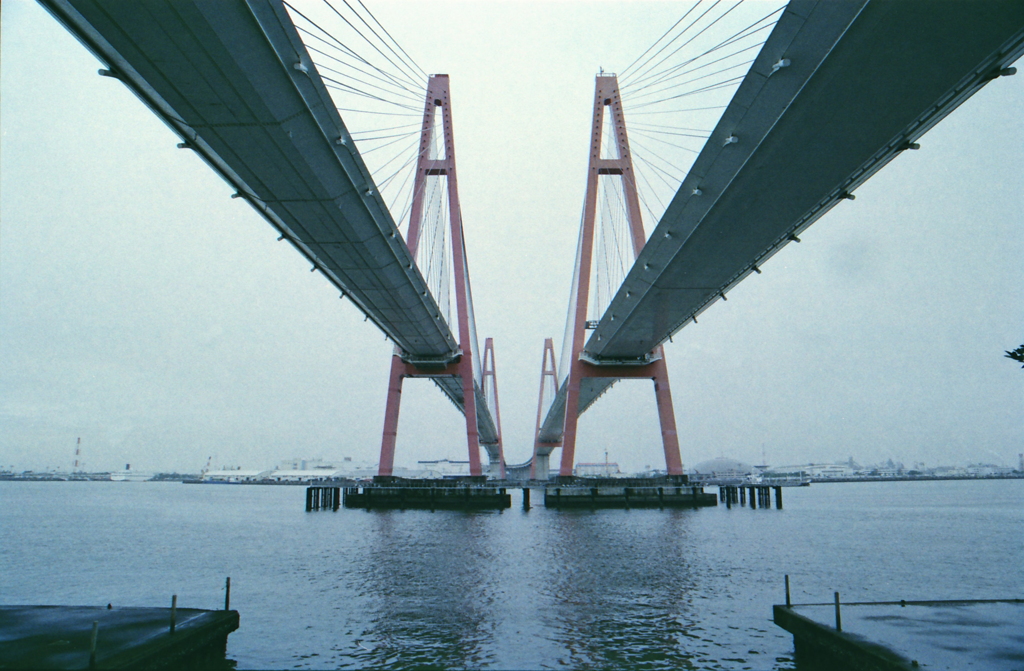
column 429, row 602
column 621, row 595
column 616, row 589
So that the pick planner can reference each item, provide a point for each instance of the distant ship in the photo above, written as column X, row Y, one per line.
column 128, row 475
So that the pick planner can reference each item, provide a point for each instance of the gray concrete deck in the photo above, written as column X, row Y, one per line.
column 58, row 637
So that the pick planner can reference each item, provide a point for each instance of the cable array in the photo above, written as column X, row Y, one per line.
column 376, row 86
column 676, row 90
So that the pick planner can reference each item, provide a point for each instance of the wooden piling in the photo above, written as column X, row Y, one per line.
column 309, row 499
column 174, row 610
column 92, row 643
column 839, row 619
column 526, row 498
column 753, row 501
column 227, row 594
column 778, row 498
column 789, row 602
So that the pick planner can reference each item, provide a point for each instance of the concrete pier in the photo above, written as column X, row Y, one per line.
column 82, row 637
column 906, row 635
column 631, row 493
column 401, row 493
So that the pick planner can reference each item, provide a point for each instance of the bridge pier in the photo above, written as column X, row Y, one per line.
column 626, row 493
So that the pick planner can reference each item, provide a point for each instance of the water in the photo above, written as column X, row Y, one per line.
column 637, row 589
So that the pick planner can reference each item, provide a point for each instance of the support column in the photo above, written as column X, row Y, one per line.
column 667, row 416
column 386, row 465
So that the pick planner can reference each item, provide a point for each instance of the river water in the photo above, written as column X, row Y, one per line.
column 636, row 589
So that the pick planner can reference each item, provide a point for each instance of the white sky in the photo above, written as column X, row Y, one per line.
column 145, row 311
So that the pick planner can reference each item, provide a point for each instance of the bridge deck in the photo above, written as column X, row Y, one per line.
column 865, row 78
column 223, row 76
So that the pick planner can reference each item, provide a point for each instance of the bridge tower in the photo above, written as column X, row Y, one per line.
column 608, row 110
column 548, row 376
column 489, row 382
column 463, row 367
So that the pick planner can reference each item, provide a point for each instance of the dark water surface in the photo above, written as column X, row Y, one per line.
column 637, row 589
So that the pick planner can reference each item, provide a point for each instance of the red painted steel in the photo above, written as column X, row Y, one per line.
column 606, row 95
column 438, row 96
column 548, row 372
column 489, row 372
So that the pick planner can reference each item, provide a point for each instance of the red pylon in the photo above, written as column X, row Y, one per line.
column 498, row 451
column 548, row 374
column 462, row 368
column 606, row 98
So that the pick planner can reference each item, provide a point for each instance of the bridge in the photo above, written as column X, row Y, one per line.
column 836, row 91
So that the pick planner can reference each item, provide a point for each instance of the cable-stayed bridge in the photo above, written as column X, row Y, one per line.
column 835, row 91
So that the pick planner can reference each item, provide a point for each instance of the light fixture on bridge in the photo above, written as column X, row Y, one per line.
column 783, row 63
column 301, row 68
column 313, row 269
column 909, row 145
column 792, row 236
column 846, row 195
column 369, row 192
column 756, row 269
column 722, row 294
column 342, row 141
column 732, row 139
column 995, row 74
column 280, row 237
column 102, row 72
column 647, row 266
column 697, row 191
column 237, row 194
column 184, row 145
column 668, row 234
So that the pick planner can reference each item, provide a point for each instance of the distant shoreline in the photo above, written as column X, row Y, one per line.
column 917, row 478
column 46, row 477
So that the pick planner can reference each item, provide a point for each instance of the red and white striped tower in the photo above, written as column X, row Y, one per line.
column 607, row 100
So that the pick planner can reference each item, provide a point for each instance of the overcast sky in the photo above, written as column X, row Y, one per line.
column 144, row 310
